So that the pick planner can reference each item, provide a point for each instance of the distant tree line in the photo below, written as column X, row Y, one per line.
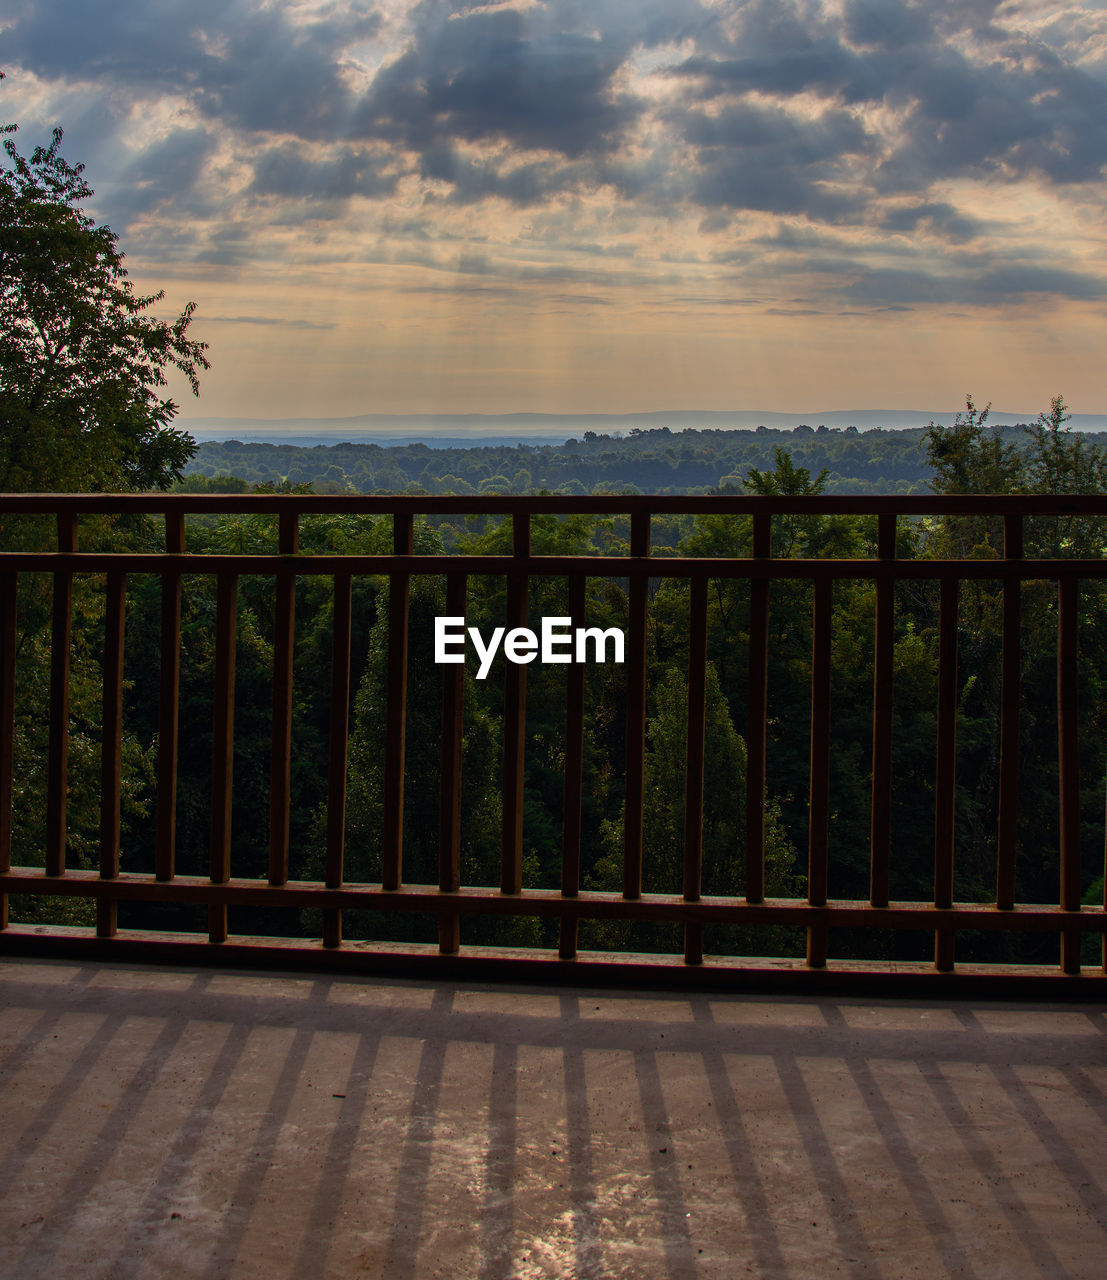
column 644, row 461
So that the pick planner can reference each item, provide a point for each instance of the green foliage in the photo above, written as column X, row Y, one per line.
column 967, row 458
column 30, row 749
column 658, row 461
column 786, row 480
column 1051, row 460
column 83, row 362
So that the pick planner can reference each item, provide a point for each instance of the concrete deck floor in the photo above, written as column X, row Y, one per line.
column 161, row 1122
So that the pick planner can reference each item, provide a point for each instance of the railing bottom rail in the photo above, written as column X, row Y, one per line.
column 599, row 970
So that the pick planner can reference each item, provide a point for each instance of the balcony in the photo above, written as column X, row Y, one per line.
column 682, row 1110
column 118, row 878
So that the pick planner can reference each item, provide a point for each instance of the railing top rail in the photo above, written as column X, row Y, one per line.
column 598, row 566
column 556, row 504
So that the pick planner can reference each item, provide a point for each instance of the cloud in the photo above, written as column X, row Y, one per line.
column 474, row 177
column 280, row 321
column 864, row 142
column 972, row 96
column 1003, row 283
column 940, row 218
column 767, row 157
column 483, row 77
column 248, row 65
column 162, row 171
column 289, row 169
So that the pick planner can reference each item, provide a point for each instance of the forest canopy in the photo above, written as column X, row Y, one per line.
column 645, row 461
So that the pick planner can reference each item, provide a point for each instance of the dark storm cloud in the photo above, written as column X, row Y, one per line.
column 940, row 218
column 163, row 172
column 783, row 48
column 856, row 116
column 521, row 184
column 974, row 97
column 758, row 156
column 977, row 98
column 289, row 170
column 245, row 64
column 743, row 182
column 484, row 77
column 749, row 126
column 1001, row 284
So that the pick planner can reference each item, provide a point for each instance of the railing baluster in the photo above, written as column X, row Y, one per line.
column 574, row 776
column 280, row 753
column 58, row 750
column 515, row 721
column 883, row 677
column 222, row 752
column 449, row 805
column 819, row 808
column 8, row 635
column 395, row 729
column 111, row 747
column 336, row 763
column 1011, row 692
column 169, row 702
column 636, row 708
column 945, row 779
column 694, row 762
column 1068, row 766
column 757, row 708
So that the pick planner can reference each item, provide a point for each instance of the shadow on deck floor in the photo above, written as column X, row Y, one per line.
column 162, row 1122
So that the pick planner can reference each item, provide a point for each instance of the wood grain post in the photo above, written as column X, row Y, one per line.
column 337, row 752
column 880, row 843
column 222, row 747
column 574, row 776
column 395, row 727
column 450, row 775
column 515, row 720
column 757, row 709
column 8, row 637
column 1010, row 696
column 57, row 764
column 111, row 748
column 1068, row 763
column 945, row 778
column 169, row 680
column 694, row 762
column 280, row 748
column 818, row 819
column 637, row 641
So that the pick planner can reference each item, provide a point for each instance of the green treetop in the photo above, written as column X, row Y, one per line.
column 83, row 362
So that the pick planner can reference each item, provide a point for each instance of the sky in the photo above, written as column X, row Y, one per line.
column 573, row 206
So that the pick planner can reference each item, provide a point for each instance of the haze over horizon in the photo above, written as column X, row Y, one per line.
column 476, row 428
column 552, row 206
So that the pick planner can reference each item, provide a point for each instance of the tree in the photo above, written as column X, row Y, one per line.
column 1046, row 458
column 83, row 361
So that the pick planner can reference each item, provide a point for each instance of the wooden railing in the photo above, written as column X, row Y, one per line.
column 450, row 899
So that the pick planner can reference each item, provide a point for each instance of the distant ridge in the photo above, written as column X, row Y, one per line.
column 499, row 428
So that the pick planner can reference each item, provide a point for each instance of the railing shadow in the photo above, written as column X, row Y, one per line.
column 221, row 1124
